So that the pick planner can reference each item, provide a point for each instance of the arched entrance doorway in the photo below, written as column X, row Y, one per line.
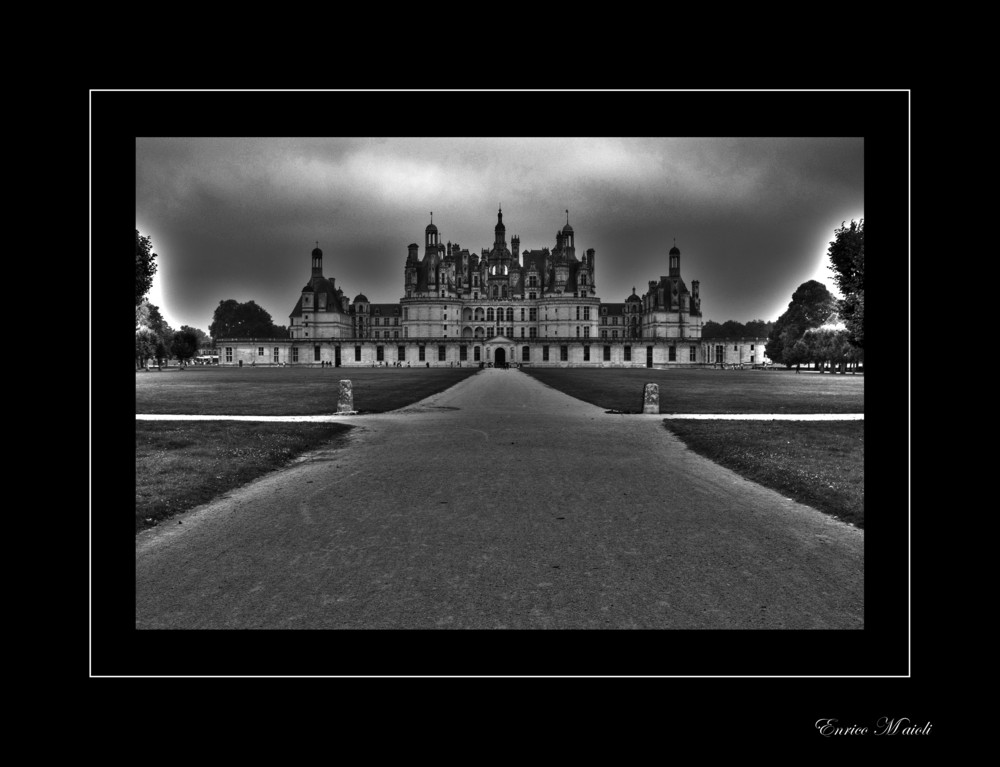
column 500, row 357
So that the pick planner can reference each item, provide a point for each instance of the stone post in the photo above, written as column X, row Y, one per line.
column 651, row 399
column 345, row 399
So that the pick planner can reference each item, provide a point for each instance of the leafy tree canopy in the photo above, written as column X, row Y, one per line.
column 145, row 266
column 184, row 344
column 147, row 316
column 248, row 320
column 734, row 329
column 847, row 254
column 811, row 306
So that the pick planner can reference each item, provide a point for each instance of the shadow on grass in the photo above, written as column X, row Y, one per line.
column 820, row 464
column 182, row 464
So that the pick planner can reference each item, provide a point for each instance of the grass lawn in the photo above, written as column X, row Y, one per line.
column 180, row 465
column 818, row 463
column 710, row 391
column 286, row 391
column 821, row 464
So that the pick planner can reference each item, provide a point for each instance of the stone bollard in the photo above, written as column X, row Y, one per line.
column 651, row 399
column 345, row 399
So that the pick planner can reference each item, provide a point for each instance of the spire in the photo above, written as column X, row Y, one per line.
column 567, row 217
column 432, row 216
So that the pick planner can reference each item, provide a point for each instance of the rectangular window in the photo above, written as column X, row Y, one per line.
column 400, row 353
column 614, row 320
column 475, row 353
column 489, row 332
column 376, row 334
column 357, row 354
column 376, row 322
column 736, row 348
column 533, row 314
column 578, row 312
column 316, row 353
column 525, row 354
column 229, row 354
column 295, row 354
column 532, row 332
column 672, row 354
column 532, row 296
column 440, row 354
column 718, row 354
column 564, row 353
column 421, row 353
column 586, row 312
column 607, row 354
column 276, row 357
column 395, row 334
column 379, row 353
column 586, row 354
column 693, row 355
column 522, row 314
column 545, row 354
column 260, row 351
column 751, row 347
column 463, row 353
column 628, row 353
column 586, row 332
column 604, row 334
column 522, row 332
column 614, row 334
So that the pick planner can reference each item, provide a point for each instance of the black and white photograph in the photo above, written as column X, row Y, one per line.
column 466, row 391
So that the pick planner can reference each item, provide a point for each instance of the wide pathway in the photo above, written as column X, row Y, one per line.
column 502, row 503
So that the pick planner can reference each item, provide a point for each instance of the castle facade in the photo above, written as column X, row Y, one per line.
column 534, row 307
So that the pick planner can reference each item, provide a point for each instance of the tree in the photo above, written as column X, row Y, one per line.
column 184, row 344
column 811, row 306
column 145, row 267
column 235, row 320
column 145, row 346
column 149, row 320
column 733, row 329
column 711, row 329
column 758, row 328
column 847, row 255
column 203, row 340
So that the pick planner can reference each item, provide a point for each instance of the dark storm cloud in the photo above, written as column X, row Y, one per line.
column 237, row 218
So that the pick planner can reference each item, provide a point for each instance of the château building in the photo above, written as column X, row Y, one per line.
column 534, row 307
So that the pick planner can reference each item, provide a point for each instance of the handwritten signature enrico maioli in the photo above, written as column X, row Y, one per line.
column 828, row 728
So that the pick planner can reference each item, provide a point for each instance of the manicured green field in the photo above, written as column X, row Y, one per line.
column 286, row 391
column 818, row 463
column 182, row 464
column 710, row 391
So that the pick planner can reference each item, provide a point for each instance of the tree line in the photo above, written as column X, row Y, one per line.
column 734, row 329
column 806, row 333
column 155, row 339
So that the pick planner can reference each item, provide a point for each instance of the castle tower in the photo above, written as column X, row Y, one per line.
column 675, row 261
column 317, row 261
column 431, row 238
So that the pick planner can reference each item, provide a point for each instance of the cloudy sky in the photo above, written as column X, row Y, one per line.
column 238, row 218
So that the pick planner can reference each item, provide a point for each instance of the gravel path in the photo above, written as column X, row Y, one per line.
column 502, row 503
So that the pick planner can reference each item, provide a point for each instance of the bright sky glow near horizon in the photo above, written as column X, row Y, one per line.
column 238, row 218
